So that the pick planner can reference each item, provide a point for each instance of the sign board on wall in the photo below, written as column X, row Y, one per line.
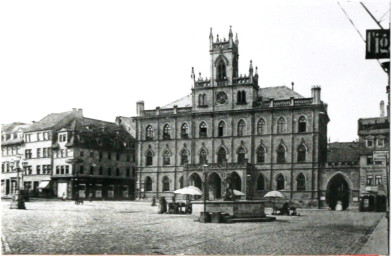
column 377, row 44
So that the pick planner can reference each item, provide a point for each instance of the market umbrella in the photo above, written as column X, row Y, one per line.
column 274, row 194
column 190, row 190
column 238, row 193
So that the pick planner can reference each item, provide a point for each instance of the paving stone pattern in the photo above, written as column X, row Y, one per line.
column 57, row 227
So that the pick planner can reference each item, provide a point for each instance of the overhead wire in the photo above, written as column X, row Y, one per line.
column 347, row 16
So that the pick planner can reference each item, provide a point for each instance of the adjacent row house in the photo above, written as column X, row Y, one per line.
column 69, row 155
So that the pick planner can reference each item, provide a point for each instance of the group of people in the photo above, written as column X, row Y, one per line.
column 174, row 207
column 286, row 210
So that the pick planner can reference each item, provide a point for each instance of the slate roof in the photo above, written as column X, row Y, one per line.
column 181, row 103
column 48, row 121
column 276, row 92
column 10, row 128
column 345, row 151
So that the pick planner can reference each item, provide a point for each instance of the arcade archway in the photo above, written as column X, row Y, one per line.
column 236, row 181
column 338, row 190
column 214, row 186
column 195, row 180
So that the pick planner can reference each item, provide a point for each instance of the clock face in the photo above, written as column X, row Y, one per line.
column 221, row 98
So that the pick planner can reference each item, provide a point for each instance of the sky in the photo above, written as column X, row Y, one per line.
column 104, row 56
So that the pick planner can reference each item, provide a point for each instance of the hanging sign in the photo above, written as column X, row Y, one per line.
column 377, row 44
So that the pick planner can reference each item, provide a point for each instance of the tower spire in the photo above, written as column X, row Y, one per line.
column 230, row 37
column 210, row 39
column 236, row 39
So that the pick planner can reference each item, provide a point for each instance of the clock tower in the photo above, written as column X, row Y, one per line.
column 225, row 89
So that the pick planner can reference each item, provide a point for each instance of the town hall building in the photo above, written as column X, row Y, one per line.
column 262, row 138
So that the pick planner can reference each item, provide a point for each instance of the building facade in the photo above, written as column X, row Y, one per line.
column 262, row 138
column 374, row 135
column 69, row 155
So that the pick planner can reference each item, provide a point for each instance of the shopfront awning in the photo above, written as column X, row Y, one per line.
column 44, row 184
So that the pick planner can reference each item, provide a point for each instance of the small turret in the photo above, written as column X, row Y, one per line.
column 236, row 40
column 250, row 71
column 211, row 39
column 192, row 77
column 256, row 76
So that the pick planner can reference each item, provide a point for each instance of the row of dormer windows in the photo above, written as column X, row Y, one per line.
column 222, row 131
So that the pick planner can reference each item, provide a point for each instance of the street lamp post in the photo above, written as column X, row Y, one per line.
column 204, row 217
column 17, row 199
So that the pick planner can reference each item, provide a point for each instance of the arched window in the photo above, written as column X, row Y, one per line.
column 148, row 184
column 203, row 130
column 302, row 124
column 166, row 184
column 301, row 154
column 261, row 126
column 221, row 128
column 149, row 132
column 221, row 156
column 281, row 125
column 260, row 182
column 241, row 128
column 300, row 182
column 261, row 155
column 200, row 100
column 181, row 182
column 203, row 156
column 166, row 157
column 281, row 154
column 149, row 158
column 184, row 157
column 204, row 100
column 221, row 74
column 166, row 131
column 241, row 97
column 280, row 182
column 185, row 131
column 241, row 155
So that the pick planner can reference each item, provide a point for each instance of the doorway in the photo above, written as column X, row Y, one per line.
column 338, row 190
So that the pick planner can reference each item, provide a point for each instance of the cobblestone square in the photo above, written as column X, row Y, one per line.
column 103, row 227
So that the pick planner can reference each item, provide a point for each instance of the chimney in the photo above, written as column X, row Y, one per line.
column 381, row 108
column 73, row 109
column 140, row 107
column 315, row 92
